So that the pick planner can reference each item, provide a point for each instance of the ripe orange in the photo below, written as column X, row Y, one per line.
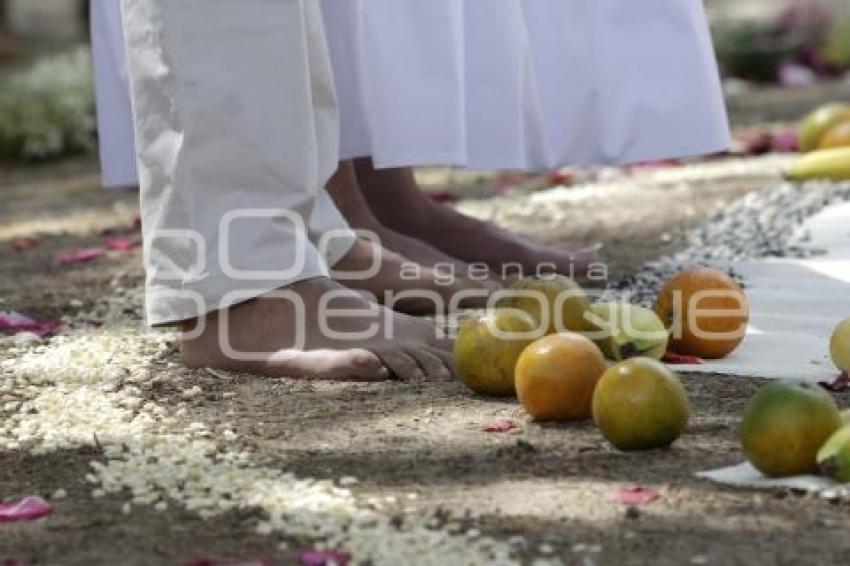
column 837, row 136
column 706, row 312
column 556, row 376
column 487, row 348
column 784, row 426
column 639, row 404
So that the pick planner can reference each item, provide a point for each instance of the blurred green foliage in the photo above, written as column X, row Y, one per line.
column 836, row 50
column 47, row 109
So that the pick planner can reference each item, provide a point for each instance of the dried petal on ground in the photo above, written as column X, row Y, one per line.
column 15, row 322
column 840, row 383
column 121, row 244
column 560, row 177
column 323, row 558
column 84, row 255
column 27, row 509
column 637, row 495
column 24, row 244
column 499, row 426
column 216, row 562
column 674, row 358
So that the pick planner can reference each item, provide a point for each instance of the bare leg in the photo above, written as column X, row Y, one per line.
column 397, row 202
column 269, row 326
column 345, row 191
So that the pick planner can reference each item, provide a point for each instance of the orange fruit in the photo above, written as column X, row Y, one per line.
column 555, row 300
column 784, row 426
column 556, row 376
column 639, row 404
column 819, row 121
column 839, row 345
column 487, row 348
column 706, row 312
column 837, row 136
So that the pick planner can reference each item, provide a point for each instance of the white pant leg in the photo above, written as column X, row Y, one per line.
column 114, row 120
column 236, row 132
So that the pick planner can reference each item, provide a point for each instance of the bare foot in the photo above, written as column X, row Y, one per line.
column 407, row 264
column 396, row 200
column 307, row 331
column 404, row 285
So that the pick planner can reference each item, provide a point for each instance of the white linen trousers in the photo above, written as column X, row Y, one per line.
column 235, row 141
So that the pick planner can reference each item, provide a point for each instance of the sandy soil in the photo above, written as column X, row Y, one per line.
column 420, row 444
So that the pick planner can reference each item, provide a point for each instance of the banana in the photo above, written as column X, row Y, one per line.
column 829, row 164
column 834, row 457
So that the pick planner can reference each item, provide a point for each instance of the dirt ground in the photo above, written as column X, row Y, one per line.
column 552, row 485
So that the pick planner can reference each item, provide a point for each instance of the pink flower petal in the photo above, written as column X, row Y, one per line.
column 121, row 244
column 79, row 256
column 840, row 383
column 27, row 509
column 499, row 426
column 786, row 142
column 637, row 495
column 323, row 558
column 12, row 562
column 674, row 358
column 24, row 244
column 14, row 322
column 215, row 562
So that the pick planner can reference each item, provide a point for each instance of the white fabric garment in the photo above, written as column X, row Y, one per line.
column 114, row 121
column 528, row 84
column 225, row 128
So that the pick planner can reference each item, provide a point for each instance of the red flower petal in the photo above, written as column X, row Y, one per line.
column 560, row 177
column 12, row 562
column 79, row 256
column 24, row 244
column 500, row 426
column 840, row 383
column 323, row 558
column 121, row 244
column 15, row 322
column 637, row 495
column 674, row 358
column 27, row 509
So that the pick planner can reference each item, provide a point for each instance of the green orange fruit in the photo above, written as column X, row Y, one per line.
column 487, row 348
column 555, row 301
column 784, row 426
column 639, row 404
column 839, row 345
